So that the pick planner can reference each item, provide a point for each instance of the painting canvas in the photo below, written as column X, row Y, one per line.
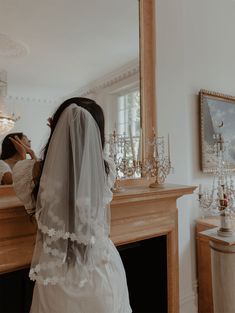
column 217, row 117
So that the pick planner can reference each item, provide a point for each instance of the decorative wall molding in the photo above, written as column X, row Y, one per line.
column 188, row 301
column 128, row 70
column 30, row 99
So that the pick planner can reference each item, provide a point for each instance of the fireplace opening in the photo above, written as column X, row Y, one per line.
column 145, row 264
column 16, row 291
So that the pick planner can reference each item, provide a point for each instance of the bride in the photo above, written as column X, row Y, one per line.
column 76, row 266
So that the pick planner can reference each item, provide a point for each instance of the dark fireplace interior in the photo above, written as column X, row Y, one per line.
column 16, row 291
column 145, row 263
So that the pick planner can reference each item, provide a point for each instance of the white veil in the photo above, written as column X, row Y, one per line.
column 72, row 204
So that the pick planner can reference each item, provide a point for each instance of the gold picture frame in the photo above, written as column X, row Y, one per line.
column 217, row 116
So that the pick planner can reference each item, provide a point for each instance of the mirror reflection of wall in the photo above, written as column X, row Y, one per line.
column 128, row 120
column 119, row 95
column 70, row 49
column 64, row 53
column 123, row 111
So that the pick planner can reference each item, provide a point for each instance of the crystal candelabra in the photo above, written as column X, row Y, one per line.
column 160, row 164
column 121, row 149
column 220, row 198
column 129, row 162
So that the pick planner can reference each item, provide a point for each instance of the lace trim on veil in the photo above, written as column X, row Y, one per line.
column 51, row 236
column 60, row 234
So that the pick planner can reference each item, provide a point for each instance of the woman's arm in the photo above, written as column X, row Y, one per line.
column 7, row 179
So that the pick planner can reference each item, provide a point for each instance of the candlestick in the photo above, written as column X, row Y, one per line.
column 139, row 156
column 131, row 142
column 221, row 193
column 169, row 158
column 124, row 146
column 160, row 165
column 200, row 189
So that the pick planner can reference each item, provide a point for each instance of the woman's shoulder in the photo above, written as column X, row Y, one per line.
column 4, row 167
column 22, row 166
column 5, row 173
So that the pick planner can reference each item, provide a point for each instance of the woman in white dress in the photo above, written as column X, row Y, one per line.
column 76, row 266
column 11, row 154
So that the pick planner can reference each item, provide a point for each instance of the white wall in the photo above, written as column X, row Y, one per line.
column 195, row 49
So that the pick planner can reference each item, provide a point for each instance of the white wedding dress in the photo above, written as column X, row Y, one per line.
column 96, row 286
column 4, row 168
column 110, row 297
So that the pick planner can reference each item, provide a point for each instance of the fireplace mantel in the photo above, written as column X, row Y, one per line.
column 138, row 213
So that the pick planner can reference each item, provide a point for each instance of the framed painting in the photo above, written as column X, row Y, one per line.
column 217, row 120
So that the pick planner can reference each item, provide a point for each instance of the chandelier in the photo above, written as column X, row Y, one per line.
column 7, row 121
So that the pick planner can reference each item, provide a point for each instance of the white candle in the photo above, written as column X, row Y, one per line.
column 221, row 193
column 131, row 142
column 124, row 135
column 139, row 157
column 124, row 152
column 200, row 189
column 169, row 157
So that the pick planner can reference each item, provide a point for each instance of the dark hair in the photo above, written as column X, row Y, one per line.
column 93, row 108
column 8, row 148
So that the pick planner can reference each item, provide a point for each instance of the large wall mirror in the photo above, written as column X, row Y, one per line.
column 101, row 49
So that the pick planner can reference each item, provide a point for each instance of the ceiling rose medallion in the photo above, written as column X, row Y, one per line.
column 12, row 48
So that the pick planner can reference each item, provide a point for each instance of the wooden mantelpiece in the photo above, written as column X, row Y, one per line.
column 141, row 212
column 17, row 232
column 138, row 213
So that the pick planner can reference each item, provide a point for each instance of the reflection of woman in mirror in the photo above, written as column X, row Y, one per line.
column 75, row 265
column 15, row 147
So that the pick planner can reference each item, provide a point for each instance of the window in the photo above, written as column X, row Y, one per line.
column 128, row 120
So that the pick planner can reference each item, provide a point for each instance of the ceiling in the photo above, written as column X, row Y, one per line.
column 69, row 43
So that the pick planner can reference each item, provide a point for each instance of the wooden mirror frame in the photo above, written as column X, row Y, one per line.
column 147, row 47
column 147, row 71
